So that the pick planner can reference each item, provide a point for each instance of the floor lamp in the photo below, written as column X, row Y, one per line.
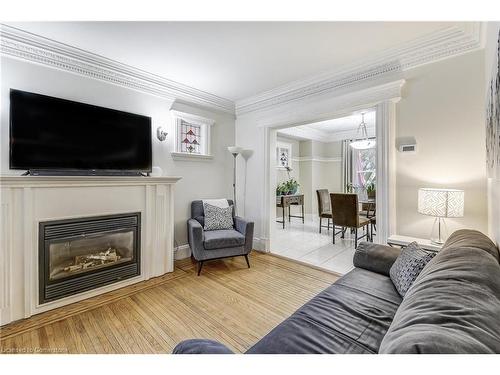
column 235, row 151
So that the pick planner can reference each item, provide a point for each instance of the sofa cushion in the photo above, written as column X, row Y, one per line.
column 454, row 304
column 219, row 239
column 408, row 266
column 350, row 316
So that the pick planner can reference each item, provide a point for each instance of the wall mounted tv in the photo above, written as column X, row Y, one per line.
column 56, row 136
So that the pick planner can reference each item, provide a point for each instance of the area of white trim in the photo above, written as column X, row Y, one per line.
column 12, row 181
column 189, row 117
column 439, row 45
column 26, row 46
column 304, row 133
column 182, row 252
column 318, row 159
column 190, row 157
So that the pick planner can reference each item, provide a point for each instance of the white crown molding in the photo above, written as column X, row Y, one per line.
column 442, row 44
column 439, row 45
column 26, row 46
column 327, row 107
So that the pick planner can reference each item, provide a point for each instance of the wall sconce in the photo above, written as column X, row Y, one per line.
column 161, row 134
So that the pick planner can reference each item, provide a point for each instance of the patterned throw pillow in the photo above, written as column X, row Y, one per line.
column 408, row 266
column 218, row 218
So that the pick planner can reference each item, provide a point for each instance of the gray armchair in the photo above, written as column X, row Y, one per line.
column 217, row 244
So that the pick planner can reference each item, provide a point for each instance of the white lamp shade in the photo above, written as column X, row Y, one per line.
column 363, row 144
column 441, row 202
column 235, row 149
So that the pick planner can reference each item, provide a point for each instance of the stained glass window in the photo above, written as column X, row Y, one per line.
column 190, row 138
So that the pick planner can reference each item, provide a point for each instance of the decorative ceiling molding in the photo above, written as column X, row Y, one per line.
column 439, row 45
column 304, row 132
column 322, row 108
column 442, row 44
column 26, row 46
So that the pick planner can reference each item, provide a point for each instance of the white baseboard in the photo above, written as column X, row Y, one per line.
column 182, row 252
column 259, row 244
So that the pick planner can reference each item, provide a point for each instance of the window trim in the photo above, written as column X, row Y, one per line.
column 205, row 128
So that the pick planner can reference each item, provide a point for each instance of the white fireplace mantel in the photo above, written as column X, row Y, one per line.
column 26, row 201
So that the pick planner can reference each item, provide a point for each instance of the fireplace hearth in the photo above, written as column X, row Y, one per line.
column 81, row 254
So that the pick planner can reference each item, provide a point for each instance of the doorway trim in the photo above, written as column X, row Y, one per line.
column 383, row 99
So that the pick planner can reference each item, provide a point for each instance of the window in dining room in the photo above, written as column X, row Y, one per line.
column 364, row 168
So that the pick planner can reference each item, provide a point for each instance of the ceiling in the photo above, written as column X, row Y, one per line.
column 332, row 130
column 234, row 60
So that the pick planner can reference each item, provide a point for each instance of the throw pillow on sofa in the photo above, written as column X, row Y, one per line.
column 408, row 266
column 218, row 217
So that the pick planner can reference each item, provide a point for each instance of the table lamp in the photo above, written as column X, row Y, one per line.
column 440, row 203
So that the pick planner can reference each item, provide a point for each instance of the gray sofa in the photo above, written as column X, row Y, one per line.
column 217, row 244
column 452, row 307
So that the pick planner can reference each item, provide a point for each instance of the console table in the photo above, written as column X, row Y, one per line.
column 285, row 201
column 403, row 241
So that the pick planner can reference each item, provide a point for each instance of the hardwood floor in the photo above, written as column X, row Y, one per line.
column 228, row 302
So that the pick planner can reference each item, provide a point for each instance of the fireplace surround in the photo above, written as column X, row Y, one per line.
column 27, row 201
column 76, row 255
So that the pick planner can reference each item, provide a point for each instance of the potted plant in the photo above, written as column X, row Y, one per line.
column 281, row 189
column 370, row 190
column 287, row 188
column 292, row 186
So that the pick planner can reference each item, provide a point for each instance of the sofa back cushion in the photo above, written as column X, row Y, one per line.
column 454, row 304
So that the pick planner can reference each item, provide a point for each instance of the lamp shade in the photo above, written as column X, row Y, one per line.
column 441, row 202
column 234, row 149
column 363, row 144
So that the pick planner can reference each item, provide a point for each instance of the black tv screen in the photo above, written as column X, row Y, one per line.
column 48, row 133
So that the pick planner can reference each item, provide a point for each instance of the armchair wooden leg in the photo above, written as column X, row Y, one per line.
column 320, row 218
column 248, row 262
column 355, row 238
column 200, row 264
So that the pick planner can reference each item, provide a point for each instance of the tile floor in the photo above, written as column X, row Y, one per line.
column 304, row 243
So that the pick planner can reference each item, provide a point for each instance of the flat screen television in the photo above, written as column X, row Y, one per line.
column 50, row 134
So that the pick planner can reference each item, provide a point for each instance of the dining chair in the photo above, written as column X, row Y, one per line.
column 345, row 208
column 324, row 207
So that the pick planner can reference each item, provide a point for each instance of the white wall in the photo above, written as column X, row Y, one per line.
column 492, row 31
column 321, row 168
column 443, row 108
column 200, row 179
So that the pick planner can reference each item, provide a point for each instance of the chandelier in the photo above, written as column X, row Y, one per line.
column 363, row 143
